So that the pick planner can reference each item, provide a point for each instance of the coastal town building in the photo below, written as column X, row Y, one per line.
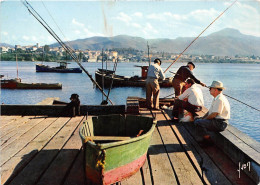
column 125, row 55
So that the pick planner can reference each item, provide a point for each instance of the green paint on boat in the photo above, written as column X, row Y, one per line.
column 104, row 155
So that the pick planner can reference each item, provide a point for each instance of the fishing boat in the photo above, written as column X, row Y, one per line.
column 60, row 69
column 17, row 83
column 125, row 81
column 115, row 146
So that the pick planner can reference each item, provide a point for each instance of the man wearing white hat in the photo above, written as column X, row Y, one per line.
column 216, row 119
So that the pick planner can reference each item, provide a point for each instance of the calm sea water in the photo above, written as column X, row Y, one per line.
column 241, row 82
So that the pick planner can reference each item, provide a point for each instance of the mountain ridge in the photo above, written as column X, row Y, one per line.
column 226, row 42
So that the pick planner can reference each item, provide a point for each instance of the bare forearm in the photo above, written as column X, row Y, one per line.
column 211, row 116
column 203, row 117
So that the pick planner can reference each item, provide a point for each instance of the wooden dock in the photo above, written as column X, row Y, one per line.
column 48, row 150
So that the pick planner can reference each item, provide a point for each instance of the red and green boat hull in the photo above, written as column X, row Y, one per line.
column 110, row 162
column 115, row 175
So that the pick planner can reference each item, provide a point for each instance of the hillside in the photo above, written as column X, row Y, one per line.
column 6, row 45
column 226, row 42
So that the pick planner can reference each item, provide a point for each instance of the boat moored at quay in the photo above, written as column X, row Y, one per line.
column 17, row 83
column 60, row 69
column 108, row 76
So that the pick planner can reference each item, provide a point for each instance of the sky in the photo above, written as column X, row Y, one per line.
column 73, row 20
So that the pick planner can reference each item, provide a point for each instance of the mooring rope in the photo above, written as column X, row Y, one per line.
column 199, row 36
column 67, row 48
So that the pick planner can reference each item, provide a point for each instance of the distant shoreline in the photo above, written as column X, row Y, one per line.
column 165, row 61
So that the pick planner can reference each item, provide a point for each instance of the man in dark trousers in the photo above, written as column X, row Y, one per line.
column 191, row 100
column 154, row 73
column 183, row 73
column 216, row 119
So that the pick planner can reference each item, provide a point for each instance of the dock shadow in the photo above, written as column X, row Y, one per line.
column 167, row 148
column 49, row 166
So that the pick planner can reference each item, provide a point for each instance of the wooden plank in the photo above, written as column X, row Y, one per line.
column 146, row 171
column 17, row 133
column 223, row 162
column 239, row 152
column 58, row 110
column 245, row 138
column 15, row 124
column 243, row 147
column 8, row 151
column 182, row 165
column 48, row 101
column 23, row 157
column 76, row 175
column 63, row 161
column 134, row 179
column 162, row 172
column 228, row 167
column 107, row 138
column 155, row 157
column 212, row 173
column 33, row 171
column 5, row 120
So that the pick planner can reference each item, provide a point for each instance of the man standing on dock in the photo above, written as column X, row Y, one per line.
column 216, row 119
column 183, row 73
column 154, row 73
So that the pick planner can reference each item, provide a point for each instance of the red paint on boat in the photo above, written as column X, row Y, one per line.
column 125, row 171
column 117, row 174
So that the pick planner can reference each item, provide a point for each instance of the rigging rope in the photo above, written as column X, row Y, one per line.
column 66, row 47
column 199, row 36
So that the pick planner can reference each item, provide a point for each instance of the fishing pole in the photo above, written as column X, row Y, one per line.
column 169, row 95
column 238, row 101
column 199, row 35
column 66, row 47
column 229, row 97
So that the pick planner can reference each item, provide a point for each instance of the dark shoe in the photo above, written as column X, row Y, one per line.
column 175, row 120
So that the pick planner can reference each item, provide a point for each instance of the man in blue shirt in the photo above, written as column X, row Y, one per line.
column 183, row 73
column 154, row 73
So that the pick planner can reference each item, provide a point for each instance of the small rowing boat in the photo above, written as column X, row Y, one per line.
column 115, row 146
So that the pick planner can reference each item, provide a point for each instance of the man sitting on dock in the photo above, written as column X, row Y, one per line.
column 191, row 100
column 183, row 73
column 152, row 85
column 216, row 119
